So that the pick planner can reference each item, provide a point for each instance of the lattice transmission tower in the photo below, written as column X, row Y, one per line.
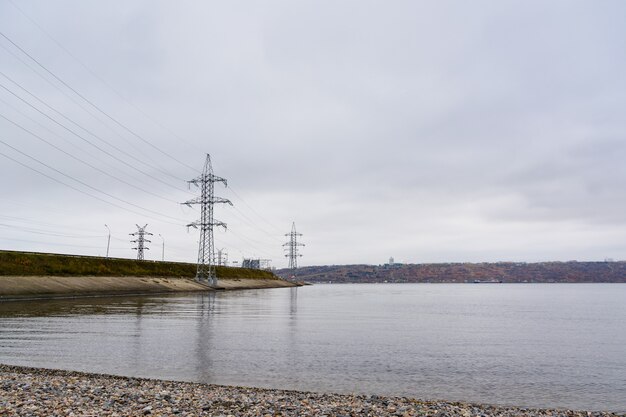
column 206, row 248
column 141, row 240
column 292, row 247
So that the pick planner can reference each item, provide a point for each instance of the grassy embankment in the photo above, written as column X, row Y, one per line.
column 45, row 264
column 41, row 275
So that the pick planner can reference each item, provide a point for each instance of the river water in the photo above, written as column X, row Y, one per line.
column 544, row 345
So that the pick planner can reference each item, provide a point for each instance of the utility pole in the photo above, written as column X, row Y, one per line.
column 206, row 250
column 292, row 247
column 162, row 248
column 108, row 240
column 141, row 240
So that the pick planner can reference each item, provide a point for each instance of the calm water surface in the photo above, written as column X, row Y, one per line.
column 556, row 345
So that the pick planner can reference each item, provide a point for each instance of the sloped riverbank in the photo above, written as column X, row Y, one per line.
column 41, row 275
column 38, row 287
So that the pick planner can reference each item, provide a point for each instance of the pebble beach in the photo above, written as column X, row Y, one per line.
column 42, row 392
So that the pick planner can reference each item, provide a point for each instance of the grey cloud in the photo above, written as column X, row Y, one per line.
column 436, row 131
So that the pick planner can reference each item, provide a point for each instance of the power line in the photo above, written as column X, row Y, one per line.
column 108, row 174
column 73, row 187
column 292, row 247
column 206, row 250
column 40, row 223
column 94, row 105
column 251, row 243
column 40, row 205
column 87, row 140
column 29, row 230
column 75, row 179
column 52, row 132
column 84, row 129
column 52, row 244
column 95, row 75
column 233, row 191
column 248, row 240
column 141, row 240
column 253, row 210
column 77, row 103
column 250, row 221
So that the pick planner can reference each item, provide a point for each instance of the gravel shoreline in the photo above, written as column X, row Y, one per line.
column 43, row 392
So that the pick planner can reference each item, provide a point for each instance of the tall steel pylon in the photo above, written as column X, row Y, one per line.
column 292, row 247
column 206, row 248
column 140, row 241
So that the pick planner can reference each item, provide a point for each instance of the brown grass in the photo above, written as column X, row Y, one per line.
column 47, row 264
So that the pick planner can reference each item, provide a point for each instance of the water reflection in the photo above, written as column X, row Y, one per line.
column 525, row 345
column 204, row 337
column 293, row 351
column 293, row 302
column 85, row 306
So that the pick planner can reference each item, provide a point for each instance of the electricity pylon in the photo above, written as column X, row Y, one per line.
column 292, row 247
column 140, row 241
column 206, row 250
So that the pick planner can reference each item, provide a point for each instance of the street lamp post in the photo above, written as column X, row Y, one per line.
column 108, row 240
column 162, row 248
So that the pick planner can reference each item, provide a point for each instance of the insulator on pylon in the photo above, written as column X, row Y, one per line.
column 141, row 240
column 206, row 248
column 292, row 247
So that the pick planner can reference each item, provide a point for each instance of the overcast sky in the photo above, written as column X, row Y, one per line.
column 439, row 131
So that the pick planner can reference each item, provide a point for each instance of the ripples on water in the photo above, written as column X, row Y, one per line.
column 557, row 345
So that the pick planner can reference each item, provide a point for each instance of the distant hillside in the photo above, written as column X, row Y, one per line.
column 49, row 264
column 465, row 272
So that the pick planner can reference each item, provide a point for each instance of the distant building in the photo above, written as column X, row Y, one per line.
column 265, row 264
column 251, row 263
column 392, row 263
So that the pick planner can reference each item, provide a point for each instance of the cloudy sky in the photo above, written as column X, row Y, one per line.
column 437, row 131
